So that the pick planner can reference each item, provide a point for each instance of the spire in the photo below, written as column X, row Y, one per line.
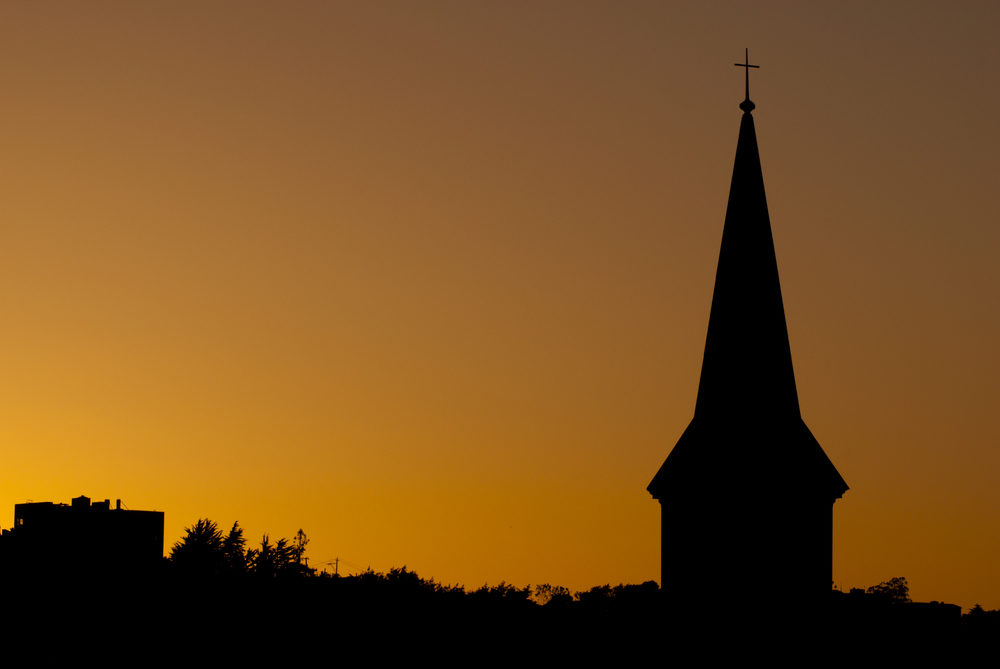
column 747, row 428
column 747, row 369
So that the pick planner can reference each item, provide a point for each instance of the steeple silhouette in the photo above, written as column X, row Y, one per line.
column 748, row 362
column 747, row 490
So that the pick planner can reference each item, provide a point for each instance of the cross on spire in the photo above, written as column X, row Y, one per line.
column 747, row 105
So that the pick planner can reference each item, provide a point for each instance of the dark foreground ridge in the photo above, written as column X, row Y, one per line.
column 216, row 596
column 290, row 607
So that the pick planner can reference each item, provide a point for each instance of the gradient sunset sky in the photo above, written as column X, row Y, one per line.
column 431, row 280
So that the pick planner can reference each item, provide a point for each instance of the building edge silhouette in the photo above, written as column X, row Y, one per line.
column 83, row 537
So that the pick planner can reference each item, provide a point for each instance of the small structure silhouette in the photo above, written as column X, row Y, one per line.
column 747, row 492
column 84, row 536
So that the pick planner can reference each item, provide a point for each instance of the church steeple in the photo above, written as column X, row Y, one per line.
column 747, row 369
column 747, row 492
column 747, row 423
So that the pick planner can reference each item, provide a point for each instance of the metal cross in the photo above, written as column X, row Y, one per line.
column 747, row 65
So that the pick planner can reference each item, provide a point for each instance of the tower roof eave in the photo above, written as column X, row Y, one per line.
column 746, row 458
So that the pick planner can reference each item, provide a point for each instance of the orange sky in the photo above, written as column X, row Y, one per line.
column 432, row 280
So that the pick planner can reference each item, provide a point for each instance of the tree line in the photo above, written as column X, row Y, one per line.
column 204, row 551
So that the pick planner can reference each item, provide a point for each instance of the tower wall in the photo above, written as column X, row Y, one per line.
column 750, row 551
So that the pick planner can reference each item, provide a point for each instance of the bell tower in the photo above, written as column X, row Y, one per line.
column 747, row 493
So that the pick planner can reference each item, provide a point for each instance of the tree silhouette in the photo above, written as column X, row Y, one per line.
column 502, row 597
column 260, row 561
column 277, row 559
column 234, row 550
column 895, row 590
column 300, row 563
column 199, row 551
column 299, row 546
column 282, row 556
column 552, row 595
